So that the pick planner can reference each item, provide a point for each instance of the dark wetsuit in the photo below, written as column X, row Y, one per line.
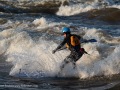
column 75, row 50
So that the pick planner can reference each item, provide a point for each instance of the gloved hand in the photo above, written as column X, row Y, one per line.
column 53, row 51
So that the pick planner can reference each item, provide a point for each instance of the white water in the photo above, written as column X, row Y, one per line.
column 34, row 58
column 78, row 8
column 73, row 7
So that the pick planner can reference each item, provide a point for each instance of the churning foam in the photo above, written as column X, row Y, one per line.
column 44, row 24
column 73, row 9
column 31, row 58
column 40, row 22
column 35, row 59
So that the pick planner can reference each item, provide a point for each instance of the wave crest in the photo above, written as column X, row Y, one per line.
column 105, row 14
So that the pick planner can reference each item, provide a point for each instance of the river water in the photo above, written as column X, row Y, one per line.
column 31, row 29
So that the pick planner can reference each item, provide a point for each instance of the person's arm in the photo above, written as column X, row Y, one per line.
column 60, row 46
column 82, row 40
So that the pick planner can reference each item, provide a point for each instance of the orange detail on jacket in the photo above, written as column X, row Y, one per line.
column 74, row 41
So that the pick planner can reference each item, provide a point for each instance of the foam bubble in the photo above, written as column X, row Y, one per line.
column 40, row 22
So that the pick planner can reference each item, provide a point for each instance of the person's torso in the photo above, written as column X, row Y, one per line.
column 73, row 43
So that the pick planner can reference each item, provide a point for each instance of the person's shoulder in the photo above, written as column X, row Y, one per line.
column 76, row 35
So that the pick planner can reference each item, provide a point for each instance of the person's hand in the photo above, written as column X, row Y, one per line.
column 53, row 51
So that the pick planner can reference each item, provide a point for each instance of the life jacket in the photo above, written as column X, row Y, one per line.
column 74, row 41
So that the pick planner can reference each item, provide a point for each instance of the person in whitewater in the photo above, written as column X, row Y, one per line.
column 73, row 43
